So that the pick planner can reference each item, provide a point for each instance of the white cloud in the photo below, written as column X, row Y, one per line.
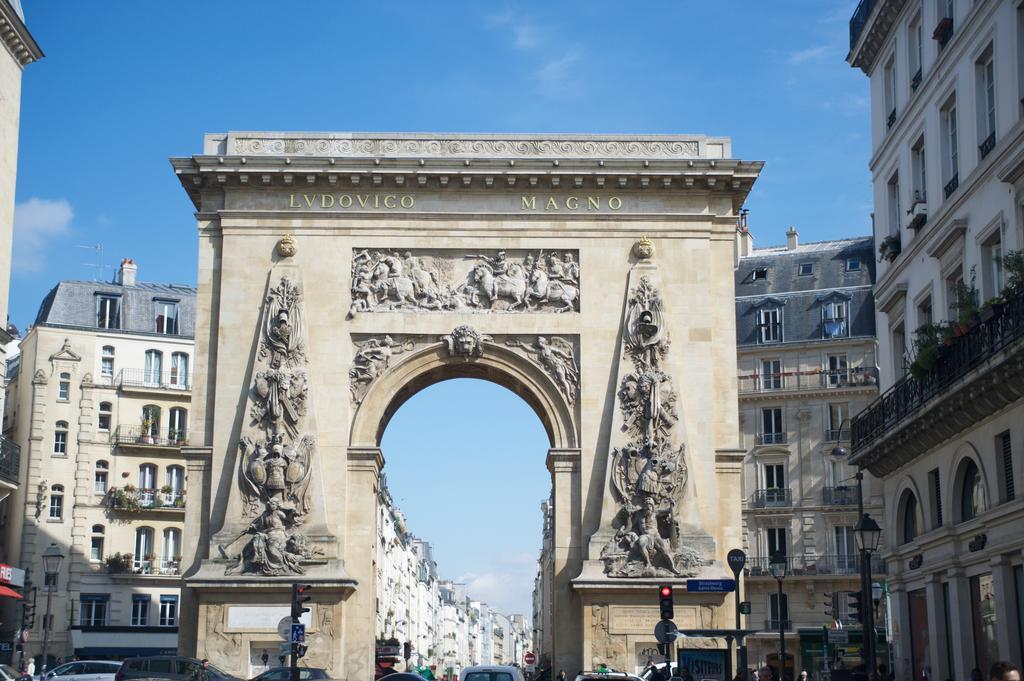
column 38, row 223
column 846, row 105
column 508, row 587
column 815, row 54
column 525, row 35
column 557, row 77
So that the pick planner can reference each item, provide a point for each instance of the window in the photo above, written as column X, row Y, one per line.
column 899, row 350
column 177, row 426
column 104, row 418
column 151, row 420
column 147, row 477
column 108, row 312
column 992, row 265
column 57, row 502
column 924, row 311
column 769, row 323
column 168, row 611
column 140, row 610
column 94, row 610
column 64, row 387
column 154, row 366
column 837, row 371
column 834, row 319
column 838, row 424
column 176, row 481
column 954, row 283
column 774, row 476
column 60, row 438
column 944, row 29
column 972, row 492
column 910, row 526
column 102, row 471
column 894, row 203
column 96, row 547
column 772, row 430
column 845, row 547
column 853, row 265
column 771, row 374
column 1004, row 452
column 805, row 269
column 778, row 613
column 950, row 148
column 889, row 78
column 166, row 317
column 775, row 541
column 107, row 361
column 759, row 274
column 915, row 52
column 144, row 550
column 179, row 370
column 935, row 489
column 172, row 551
column 985, row 80
column 918, row 163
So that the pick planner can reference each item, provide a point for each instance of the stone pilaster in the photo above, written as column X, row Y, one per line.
column 360, row 610
column 937, row 634
column 1007, row 617
column 960, row 619
column 194, row 548
column 567, row 643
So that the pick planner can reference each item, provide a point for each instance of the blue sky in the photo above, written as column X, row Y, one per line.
column 125, row 85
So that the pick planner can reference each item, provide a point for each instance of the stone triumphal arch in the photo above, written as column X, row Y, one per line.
column 341, row 273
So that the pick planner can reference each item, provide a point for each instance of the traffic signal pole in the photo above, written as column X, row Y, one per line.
column 299, row 598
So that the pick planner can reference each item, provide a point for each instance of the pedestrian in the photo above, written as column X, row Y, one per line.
column 765, row 673
column 804, row 676
column 657, row 675
column 31, row 668
column 1005, row 671
column 687, row 676
column 202, row 672
column 561, row 675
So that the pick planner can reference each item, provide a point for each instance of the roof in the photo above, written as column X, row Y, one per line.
column 72, row 303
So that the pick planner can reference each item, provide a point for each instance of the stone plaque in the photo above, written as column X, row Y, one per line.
column 260, row 617
column 641, row 619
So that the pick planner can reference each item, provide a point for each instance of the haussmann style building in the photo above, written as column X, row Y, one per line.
column 946, row 436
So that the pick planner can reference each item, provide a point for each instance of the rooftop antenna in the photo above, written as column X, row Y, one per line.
column 98, row 266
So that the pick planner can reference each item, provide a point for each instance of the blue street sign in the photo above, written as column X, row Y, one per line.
column 711, row 585
column 298, row 633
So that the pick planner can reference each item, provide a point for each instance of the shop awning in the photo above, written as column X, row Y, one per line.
column 9, row 592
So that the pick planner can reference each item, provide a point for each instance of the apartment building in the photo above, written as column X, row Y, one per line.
column 98, row 402
column 806, row 360
column 946, row 435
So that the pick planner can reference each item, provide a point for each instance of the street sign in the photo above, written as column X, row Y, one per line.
column 529, row 658
column 284, row 628
column 745, row 608
column 711, row 585
column 285, row 648
column 736, row 559
column 665, row 631
column 298, row 633
column 838, row 636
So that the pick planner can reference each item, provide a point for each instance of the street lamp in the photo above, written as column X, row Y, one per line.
column 777, row 566
column 868, row 535
column 52, row 558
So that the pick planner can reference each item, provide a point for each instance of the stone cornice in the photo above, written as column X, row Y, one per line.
column 16, row 37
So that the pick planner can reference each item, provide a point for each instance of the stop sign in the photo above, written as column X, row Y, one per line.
column 529, row 658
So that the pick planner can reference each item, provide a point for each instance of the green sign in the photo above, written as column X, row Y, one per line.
column 745, row 608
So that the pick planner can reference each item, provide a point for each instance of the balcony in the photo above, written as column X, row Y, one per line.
column 779, row 497
column 129, row 499
column 839, row 496
column 951, row 186
column 10, row 461
column 813, row 565
column 988, row 145
column 774, row 625
column 915, row 82
column 147, row 566
column 144, row 379
column 859, row 20
column 837, row 435
column 136, row 436
column 772, row 438
column 971, row 379
column 791, row 381
column 890, row 119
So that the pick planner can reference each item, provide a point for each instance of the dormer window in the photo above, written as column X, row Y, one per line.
column 806, row 269
column 769, row 323
column 835, row 319
column 108, row 312
column 853, row 265
column 759, row 274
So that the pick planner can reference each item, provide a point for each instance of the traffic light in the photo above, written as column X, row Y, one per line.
column 665, row 601
column 28, row 611
column 663, row 649
column 856, row 604
column 832, row 604
column 300, row 595
column 407, row 650
column 300, row 649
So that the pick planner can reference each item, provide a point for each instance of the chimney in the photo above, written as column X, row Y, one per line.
column 744, row 239
column 791, row 238
column 126, row 273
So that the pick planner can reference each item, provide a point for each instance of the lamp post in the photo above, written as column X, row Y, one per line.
column 777, row 566
column 52, row 558
column 868, row 535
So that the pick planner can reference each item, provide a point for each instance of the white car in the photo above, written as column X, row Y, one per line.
column 491, row 672
column 84, row 670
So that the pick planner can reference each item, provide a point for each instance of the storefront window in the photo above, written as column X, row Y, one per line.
column 983, row 614
column 917, row 607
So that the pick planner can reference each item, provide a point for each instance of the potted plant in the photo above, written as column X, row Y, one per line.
column 1013, row 268
column 179, row 500
column 927, row 340
column 966, row 304
column 119, row 563
column 147, row 430
column 992, row 307
column 889, row 248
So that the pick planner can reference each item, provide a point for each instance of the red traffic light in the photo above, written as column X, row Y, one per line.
column 666, row 592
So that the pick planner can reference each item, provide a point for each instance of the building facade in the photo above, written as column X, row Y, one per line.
column 542, row 584
column 99, row 404
column 946, row 435
column 20, row 50
column 806, row 358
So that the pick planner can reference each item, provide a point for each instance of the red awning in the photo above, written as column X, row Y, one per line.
column 6, row 591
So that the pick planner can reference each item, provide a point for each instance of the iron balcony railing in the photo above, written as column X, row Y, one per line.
column 774, row 624
column 10, row 460
column 778, row 497
column 156, row 567
column 815, row 564
column 952, row 363
column 839, row 496
column 859, row 20
column 771, row 438
column 837, row 434
column 808, row 380
column 951, row 186
column 135, row 435
column 146, row 378
column 988, row 145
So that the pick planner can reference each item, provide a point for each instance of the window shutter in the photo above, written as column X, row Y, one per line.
column 1007, row 459
column 937, row 485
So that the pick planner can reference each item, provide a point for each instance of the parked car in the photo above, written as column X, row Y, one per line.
column 171, row 667
column 491, row 673
column 606, row 676
column 285, row 674
column 8, row 673
column 84, row 670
